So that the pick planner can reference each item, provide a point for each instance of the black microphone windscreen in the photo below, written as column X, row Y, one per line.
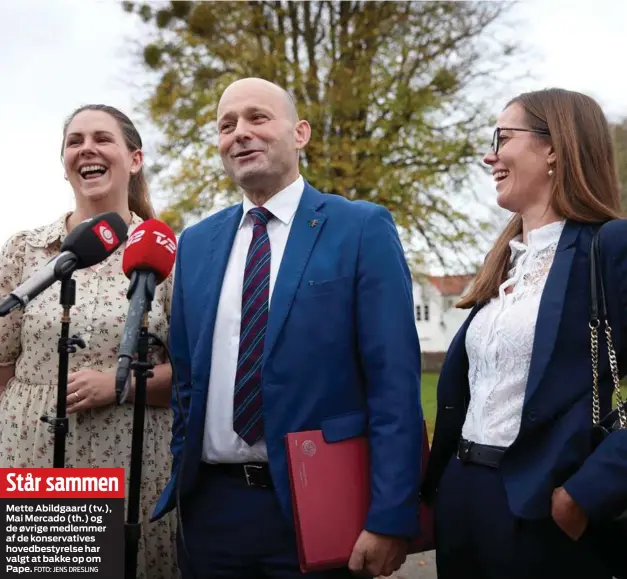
column 93, row 240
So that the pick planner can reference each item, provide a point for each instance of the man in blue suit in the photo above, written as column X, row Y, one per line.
column 291, row 311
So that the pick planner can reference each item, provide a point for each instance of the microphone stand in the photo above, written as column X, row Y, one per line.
column 60, row 425
column 143, row 370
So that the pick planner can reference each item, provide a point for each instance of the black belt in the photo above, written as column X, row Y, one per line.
column 482, row 454
column 254, row 474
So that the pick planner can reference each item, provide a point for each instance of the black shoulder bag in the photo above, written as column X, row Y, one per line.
column 613, row 534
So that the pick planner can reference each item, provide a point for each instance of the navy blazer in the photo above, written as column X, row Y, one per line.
column 341, row 349
column 553, row 446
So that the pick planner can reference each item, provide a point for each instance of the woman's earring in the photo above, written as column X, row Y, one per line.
column 550, row 172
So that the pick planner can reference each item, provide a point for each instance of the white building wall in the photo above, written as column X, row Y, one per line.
column 444, row 320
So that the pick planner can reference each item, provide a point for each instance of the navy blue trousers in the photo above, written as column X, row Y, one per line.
column 232, row 530
column 478, row 537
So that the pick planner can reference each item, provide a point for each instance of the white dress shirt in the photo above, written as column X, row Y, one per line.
column 221, row 444
column 499, row 341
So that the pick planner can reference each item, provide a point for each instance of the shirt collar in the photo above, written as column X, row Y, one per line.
column 537, row 239
column 283, row 205
column 56, row 231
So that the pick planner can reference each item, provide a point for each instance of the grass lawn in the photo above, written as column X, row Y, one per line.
column 428, row 391
column 429, row 384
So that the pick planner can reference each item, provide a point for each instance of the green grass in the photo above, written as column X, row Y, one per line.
column 429, row 404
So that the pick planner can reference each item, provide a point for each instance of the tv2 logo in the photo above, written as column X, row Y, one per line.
column 162, row 240
column 135, row 237
column 165, row 241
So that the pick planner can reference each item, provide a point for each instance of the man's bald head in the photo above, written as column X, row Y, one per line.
column 260, row 136
column 260, row 86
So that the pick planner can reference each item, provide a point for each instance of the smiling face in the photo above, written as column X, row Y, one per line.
column 521, row 166
column 260, row 136
column 98, row 163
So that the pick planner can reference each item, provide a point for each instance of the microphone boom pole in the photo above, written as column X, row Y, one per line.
column 60, row 425
column 142, row 368
column 148, row 260
column 89, row 243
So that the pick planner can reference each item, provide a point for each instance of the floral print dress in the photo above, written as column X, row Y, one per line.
column 99, row 437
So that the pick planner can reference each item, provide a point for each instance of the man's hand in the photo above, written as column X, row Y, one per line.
column 568, row 514
column 89, row 389
column 374, row 555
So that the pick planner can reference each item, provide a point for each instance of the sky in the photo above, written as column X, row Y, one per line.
column 59, row 54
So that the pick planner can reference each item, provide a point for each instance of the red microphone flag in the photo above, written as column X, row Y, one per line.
column 151, row 247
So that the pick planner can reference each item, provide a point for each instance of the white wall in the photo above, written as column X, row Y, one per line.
column 444, row 321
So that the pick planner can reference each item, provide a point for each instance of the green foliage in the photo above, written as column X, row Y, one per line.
column 386, row 86
column 620, row 143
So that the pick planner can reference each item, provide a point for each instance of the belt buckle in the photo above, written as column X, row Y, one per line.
column 463, row 450
column 250, row 481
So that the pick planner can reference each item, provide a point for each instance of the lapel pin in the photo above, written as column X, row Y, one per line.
column 313, row 223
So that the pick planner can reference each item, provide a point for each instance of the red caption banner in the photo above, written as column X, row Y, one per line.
column 59, row 483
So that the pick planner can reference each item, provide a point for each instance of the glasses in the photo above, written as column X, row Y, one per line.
column 496, row 137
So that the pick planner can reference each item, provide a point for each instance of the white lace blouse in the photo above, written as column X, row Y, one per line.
column 500, row 338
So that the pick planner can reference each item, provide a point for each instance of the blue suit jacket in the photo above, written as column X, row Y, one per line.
column 553, row 445
column 341, row 348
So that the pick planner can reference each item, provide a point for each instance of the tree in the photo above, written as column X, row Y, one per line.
column 619, row 133
column 389, row 88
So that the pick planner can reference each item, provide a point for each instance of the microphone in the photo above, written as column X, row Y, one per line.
column 89, row 243
column 148, row 260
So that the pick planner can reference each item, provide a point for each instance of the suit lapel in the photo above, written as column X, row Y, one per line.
column 211, row 275
column 551, row 307
column 308, row 222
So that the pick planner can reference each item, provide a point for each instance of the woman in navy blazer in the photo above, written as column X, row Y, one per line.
column 518, row 490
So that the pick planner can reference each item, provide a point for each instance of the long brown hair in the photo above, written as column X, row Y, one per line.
column 138, row 195
column 585, row 182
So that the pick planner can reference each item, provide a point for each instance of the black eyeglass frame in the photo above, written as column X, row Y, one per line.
column 497, row 135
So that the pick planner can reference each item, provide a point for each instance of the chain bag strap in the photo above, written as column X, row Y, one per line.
column 610, row 537
column 617, row 418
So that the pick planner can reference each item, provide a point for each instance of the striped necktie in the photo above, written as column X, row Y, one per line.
column 247, row 402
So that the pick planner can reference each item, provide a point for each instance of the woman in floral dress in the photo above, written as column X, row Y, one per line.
column 103, row 162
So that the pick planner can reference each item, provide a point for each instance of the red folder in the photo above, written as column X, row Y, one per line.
column 330, row 485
